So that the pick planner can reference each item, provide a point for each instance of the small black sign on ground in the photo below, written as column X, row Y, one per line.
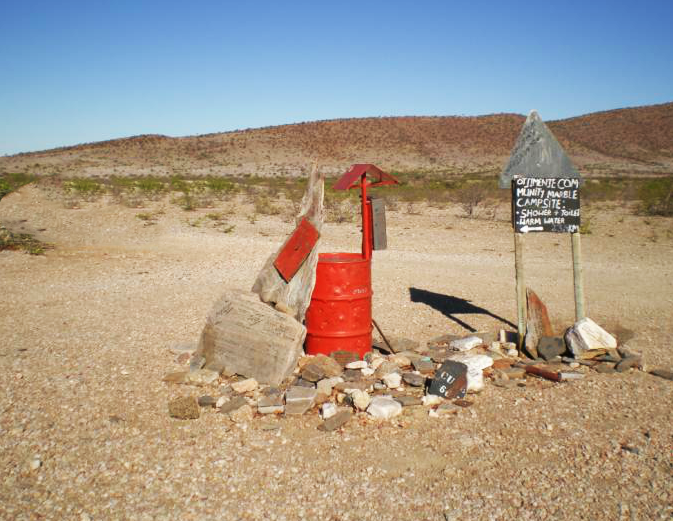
column 546, row 204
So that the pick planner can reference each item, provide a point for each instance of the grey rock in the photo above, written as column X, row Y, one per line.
column 413, row 379
column 628, row 363
column 196, row 362
column 362, row 385
column 328, row 365
column 605, row 368
column 300, row 382
column 409, row 401
column 312, row 373
column 337, row 421
column 352, row 375
column 270, row 404
column 550, row 347
column 424, row 365
column 298, row 399
column 235, row 403
column 662, row 373
column 447, row 408
column 207, row 401
column 442, row 341
column 326, row 385
column 385, row 368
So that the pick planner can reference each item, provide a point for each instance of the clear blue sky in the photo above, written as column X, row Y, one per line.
column 73, row 72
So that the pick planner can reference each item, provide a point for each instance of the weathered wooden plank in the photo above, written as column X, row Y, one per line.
column 294, row 297
column 251, row 338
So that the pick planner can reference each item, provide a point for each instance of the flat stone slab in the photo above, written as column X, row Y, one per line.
column 336, row 421
column 298, row 400
column 184, row 408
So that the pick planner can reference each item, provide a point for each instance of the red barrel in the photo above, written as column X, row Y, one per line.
column 339, row 317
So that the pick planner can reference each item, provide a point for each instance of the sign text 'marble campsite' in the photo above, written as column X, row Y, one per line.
column 546, row 204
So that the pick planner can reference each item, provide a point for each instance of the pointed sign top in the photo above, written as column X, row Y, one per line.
column 536, row 153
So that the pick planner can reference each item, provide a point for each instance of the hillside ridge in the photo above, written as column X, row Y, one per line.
column 635, row 140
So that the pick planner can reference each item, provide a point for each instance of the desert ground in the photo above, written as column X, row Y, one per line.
column 87, row 327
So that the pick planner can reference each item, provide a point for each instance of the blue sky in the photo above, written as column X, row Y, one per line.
column 74, row 72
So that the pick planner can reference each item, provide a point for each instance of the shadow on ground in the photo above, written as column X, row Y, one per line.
column 451, row 306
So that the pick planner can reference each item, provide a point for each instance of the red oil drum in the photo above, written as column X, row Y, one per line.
column 339, row 317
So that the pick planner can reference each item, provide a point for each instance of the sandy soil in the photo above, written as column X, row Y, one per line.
column 86, row 332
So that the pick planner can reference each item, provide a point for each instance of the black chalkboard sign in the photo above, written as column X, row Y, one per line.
column 450, row 380
column 546, row 204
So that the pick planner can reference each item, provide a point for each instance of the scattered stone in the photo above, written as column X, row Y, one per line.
column 476, row 364
column 515, row 373
column 512, row 353
column 326, row 385
column 413, row 379
column 550, row 347
column 196, row 362
column 409, row 401
column 385, row 368
column 424, row 365
column 362, row 385
column 242, row 414
column 392, row 380
column 495, row 347
column 450, row 380
column 330, row 367
column 344, row 357
column 605, row 368
column 271, row 404
column 585, row 335
column 465, row 344
column 628, row 363
column 400, row 360
column 272, row 391
column 35, row 463
column 201, row 377
column 611, row 356
column 184, row 408
column 357, row 364
column 537, row 324
column 463, row 403
column 298, row 400
column 447, row 408
column 300, row 382
column 570, row 376
column 175, row 377
column 662, row 373
column 328, row 410
column 379, row 386
column 336, row 421
column 352, row 375
column 207, row 401
column 245, row 386
column 431, row 399
column 312, row 373
column 361, row 399
column 502, row 363
column 235, row 403
column 384, row 407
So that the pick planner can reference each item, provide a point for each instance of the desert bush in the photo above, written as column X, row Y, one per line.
column 656, row 197
column 471, row 196
column 12, row 182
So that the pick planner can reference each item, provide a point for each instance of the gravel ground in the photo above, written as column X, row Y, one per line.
column 86, row 332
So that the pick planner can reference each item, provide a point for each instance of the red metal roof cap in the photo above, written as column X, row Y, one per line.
column 375, row 175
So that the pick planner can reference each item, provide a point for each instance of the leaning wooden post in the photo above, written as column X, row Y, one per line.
column 520, row 290
column 578, row 279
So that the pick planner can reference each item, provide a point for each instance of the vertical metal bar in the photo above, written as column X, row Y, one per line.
column 578, row 278
column 520, row 290
column 366, row 220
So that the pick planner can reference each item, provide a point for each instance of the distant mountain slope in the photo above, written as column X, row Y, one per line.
column 632, row 140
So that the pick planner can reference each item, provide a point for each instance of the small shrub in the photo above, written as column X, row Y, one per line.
column 656, row 197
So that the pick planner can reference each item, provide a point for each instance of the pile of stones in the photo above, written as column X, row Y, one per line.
column 400, row 374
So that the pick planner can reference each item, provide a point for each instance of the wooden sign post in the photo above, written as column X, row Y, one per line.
column 545, row 198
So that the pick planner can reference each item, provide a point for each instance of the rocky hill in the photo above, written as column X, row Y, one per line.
column 630, row 141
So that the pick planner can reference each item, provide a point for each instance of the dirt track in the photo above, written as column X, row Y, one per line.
column 86, row 331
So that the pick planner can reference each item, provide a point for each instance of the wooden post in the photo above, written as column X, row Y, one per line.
column 520, row 290
column 578, row 279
